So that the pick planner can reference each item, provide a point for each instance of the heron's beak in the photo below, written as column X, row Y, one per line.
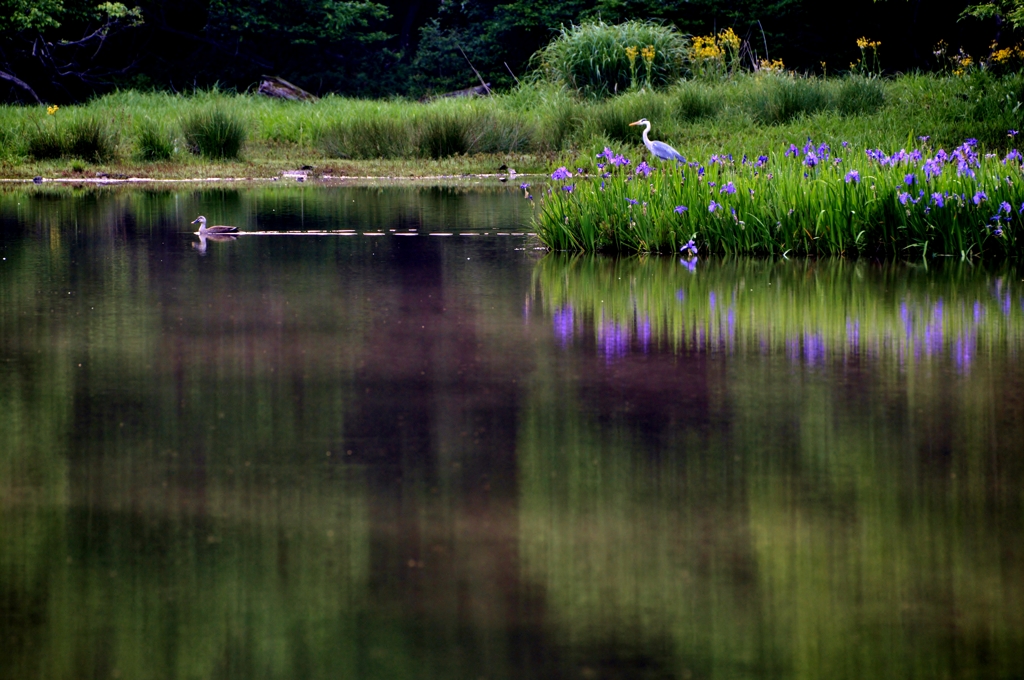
column 636, row 123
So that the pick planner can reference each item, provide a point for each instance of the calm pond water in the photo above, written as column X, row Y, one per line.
column 459, row 457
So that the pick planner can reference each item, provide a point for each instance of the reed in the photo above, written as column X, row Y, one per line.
column 813, row 200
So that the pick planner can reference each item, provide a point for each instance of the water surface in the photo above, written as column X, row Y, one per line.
column 460, row 457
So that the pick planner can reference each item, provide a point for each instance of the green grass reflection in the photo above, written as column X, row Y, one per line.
column 822, row 503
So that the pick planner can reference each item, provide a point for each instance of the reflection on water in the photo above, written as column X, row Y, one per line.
column 809, row 312
column 452, row 457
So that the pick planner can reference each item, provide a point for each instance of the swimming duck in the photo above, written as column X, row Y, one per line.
column 203, row 229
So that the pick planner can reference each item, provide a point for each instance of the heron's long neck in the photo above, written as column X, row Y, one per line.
column 647, row 128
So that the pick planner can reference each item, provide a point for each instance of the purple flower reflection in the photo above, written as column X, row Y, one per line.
column 643, row 333
column 853, row 335
column 614, row 340
column 814, row 349
column 963, row 353
column 793, row 350
column 934, row 339
column 563, row 323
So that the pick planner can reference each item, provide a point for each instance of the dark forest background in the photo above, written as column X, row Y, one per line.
column 66, row 50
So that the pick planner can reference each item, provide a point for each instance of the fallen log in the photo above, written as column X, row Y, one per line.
column 478, row 91
column 272, row 86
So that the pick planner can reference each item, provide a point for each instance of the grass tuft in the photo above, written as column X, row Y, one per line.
column 858, row 96
column 591, row 59
column 214, row 133
column 778, row 99
column 153, row 142
column 376, row 136
column 444, row 132
column 695, row 101
column 87, row 138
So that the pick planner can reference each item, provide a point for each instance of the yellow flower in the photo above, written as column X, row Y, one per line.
column 51, row 110
column 648, row 53
column 864, row 43
column 728, row 38
column 631, row 53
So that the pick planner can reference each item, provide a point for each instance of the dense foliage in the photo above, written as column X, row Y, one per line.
column 64, row 50
column 814, row 200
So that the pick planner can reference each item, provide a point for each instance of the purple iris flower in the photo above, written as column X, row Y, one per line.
column 713, row 206
column 852, row 176
column 643, row 169
column 979, row 197
column 689, row 246
column 681, row 209
column 909, row 180
column 728, row 188
column 524, row 186
column 632, row 201
column 569, row 188
column 904, row 197
column 561, row 173
column 939, row 200
column 1006, row 207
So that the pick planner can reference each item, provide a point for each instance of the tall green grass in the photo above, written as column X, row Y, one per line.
column 750, row 111
column 591, row 58
column 86, row 137
column 153, row 141
column 214, row 133
column 811, row 201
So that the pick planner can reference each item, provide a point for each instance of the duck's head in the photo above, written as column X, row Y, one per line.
column 201, row 221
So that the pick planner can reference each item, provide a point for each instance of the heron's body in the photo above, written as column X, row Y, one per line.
column 658, row 149
column 216, row 229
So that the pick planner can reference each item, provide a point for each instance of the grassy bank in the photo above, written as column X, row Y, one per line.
column 531, row 128
column 814, row 200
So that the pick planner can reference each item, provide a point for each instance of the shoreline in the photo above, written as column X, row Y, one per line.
column 296, row 178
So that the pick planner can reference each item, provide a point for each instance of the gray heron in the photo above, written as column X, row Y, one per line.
column 658, row 149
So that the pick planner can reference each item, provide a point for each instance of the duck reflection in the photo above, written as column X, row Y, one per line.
column 203, row 238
